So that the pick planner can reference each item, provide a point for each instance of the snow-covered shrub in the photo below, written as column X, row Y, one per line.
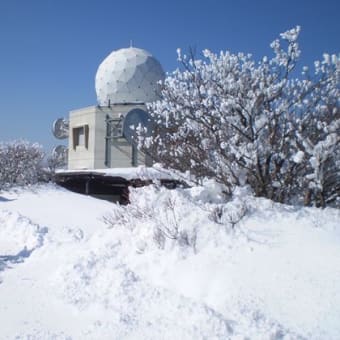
column 318, row 138
column 229, row 215
column 55, row 161
column 20, row 163
column 179, row 219
column 239, row 121
column 162, row 214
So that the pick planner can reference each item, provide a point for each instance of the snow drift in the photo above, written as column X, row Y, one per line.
column 180, row 264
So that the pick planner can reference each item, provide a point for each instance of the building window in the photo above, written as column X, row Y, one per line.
column 81, row 136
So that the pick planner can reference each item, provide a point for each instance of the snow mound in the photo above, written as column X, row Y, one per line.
column 132, row 307
column 249, row 259
column 174, row 264
column 18, row 237
column 135, row 309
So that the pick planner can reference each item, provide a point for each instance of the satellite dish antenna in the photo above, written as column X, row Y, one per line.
column 133, row 120
column 60, row 154
column 60, row 128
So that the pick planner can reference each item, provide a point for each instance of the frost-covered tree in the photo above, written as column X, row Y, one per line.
column 20, row 163
column 318, row 138
column 241, row 121
column 57, row 160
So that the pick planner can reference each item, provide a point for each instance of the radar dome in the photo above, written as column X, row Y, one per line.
column 128, row 76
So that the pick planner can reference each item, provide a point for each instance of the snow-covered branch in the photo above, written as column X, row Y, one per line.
column 245, row 122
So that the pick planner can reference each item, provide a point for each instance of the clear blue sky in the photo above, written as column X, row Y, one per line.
column 50, row 49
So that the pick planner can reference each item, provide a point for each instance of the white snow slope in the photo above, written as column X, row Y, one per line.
column 172, row 265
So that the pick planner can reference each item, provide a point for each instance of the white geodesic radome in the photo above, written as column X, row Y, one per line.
column 129, row 75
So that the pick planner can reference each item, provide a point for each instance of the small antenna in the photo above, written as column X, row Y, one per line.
column 130, row 42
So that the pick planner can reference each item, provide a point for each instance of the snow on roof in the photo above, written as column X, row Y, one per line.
column 141, row 172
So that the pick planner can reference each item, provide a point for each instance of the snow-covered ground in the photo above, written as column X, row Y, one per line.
column 172, row 265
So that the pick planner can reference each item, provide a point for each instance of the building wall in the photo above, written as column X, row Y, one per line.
column 94, row 156
column 81, row 157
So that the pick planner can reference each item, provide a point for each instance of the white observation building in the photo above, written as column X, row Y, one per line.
column 102, row 136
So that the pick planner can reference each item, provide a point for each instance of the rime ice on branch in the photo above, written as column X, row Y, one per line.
column 240, row 121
